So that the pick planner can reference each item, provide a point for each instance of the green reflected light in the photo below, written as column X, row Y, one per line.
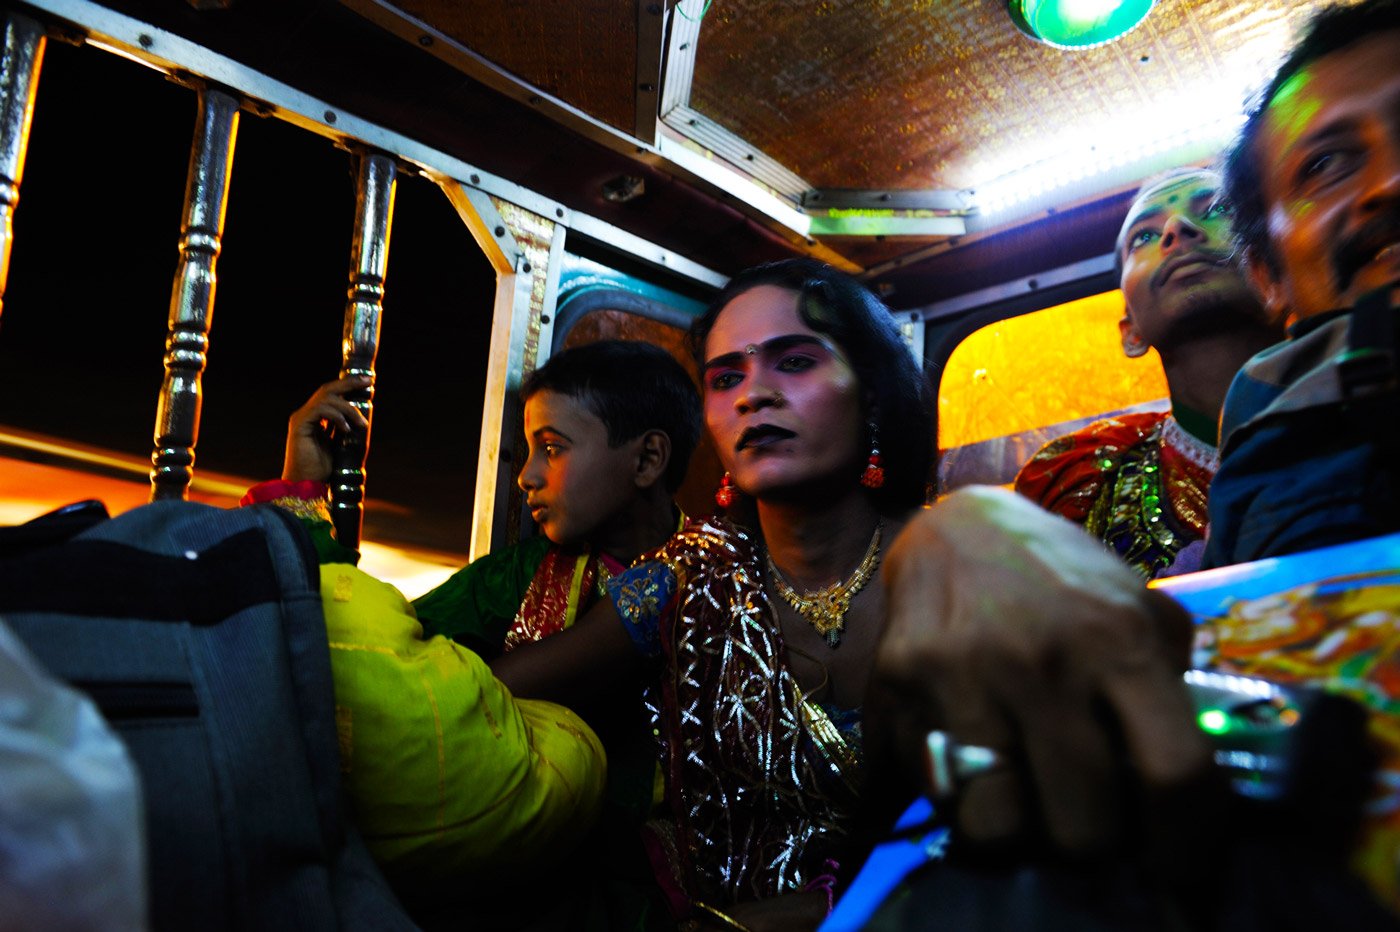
column 1214, row 722
column 1078, row 24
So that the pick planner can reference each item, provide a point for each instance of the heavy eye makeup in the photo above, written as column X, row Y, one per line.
column 719, row 379
column 1205, row 207
column 1140, row 238
column 789, row 354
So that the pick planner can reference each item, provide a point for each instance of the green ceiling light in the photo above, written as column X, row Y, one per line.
column 1077, row 24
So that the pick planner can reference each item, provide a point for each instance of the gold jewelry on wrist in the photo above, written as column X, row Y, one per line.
column 315, row 509
column 726, row 920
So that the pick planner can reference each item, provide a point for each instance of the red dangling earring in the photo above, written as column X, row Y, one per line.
column 874, row 475
column 724, row 495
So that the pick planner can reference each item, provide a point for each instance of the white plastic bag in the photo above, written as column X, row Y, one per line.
column 72, row 852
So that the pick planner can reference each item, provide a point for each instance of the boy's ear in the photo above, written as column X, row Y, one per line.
column 653, row 456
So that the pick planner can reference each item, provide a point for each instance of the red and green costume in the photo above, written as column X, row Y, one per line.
column 1138, row 482
column 515, row 595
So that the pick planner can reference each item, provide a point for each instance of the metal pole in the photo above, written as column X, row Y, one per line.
column 20, row 58
column 369, row 258
column 192, row 297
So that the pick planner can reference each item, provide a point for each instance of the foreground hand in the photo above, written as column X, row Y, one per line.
column 1012, row 629
column 314, row 428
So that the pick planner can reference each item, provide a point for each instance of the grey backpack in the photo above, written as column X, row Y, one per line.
column 198, row 632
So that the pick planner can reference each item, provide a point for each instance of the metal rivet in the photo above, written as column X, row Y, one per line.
column 526, row 268
column 500, row 231
column 684, row 46
column 145, row 41
column 533, row 99
column 1033, row 284
column 425, row 41
column 648, row 88
column 476, row 179
column 330, row 116
column 544, row 318
column 559, row 212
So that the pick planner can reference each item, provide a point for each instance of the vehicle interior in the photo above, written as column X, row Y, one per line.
column 440, row 195
column 546, row 187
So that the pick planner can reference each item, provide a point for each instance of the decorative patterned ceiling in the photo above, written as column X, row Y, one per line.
column 923, row 94
column 882, row 96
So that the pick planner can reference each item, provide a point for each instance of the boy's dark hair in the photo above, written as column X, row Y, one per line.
column 632, row 388
column 1331, row 29
column 834, row 303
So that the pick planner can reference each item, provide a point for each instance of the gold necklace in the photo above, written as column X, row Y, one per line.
column 826, row 608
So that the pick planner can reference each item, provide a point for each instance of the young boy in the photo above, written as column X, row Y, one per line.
column 610, row 428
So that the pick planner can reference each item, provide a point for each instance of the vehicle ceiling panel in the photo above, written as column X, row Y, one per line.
column 846, row 94
column 554, row 46
column 863, row 94
column 916, row 96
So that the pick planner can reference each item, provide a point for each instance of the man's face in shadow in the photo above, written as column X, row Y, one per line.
column 1328, row 154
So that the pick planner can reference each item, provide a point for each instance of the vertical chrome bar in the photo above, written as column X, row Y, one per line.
column 20, row 58
column 369, row 258
column 192, row 297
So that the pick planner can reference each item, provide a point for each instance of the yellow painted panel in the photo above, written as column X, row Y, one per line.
column 1055, row 365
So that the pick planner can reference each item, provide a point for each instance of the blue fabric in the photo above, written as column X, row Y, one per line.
column 887, row 865
column 640, row 595
column 1308, row 457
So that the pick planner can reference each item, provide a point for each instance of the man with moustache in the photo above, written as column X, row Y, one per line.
column 1067, row 670
column 1007, row 636
column 1138, row 482
column 1309, row 427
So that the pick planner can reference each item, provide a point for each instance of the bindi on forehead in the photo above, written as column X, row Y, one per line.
column 771, row 349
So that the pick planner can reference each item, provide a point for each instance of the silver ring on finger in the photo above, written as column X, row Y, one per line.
column 948, row 763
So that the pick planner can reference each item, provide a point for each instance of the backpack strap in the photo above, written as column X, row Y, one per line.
column 1368, row 365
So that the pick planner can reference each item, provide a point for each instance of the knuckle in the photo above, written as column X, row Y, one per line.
column 991, row 810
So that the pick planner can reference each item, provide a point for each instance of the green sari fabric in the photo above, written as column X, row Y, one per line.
column 477, row 604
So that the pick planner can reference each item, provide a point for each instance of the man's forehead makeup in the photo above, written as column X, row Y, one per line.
column 1292, row 108
column 1202, row 185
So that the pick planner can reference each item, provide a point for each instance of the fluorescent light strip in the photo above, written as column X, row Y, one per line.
column 1085, row 161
